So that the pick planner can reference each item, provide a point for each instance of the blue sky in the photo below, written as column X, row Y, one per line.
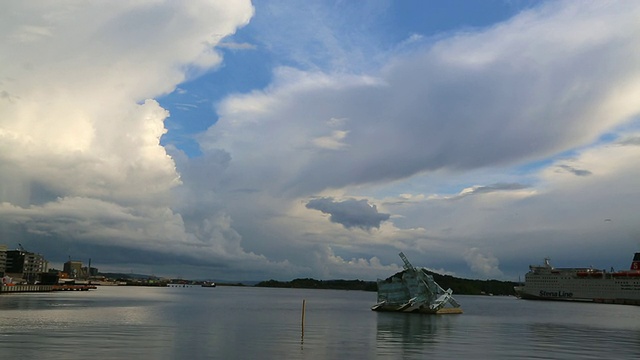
column 249, row 141
column 373, row 28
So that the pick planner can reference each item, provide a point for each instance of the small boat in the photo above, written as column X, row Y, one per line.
column 414, row 290
column 208, row 284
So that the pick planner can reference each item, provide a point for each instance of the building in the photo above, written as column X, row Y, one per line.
column 25, row 265
column 74, row 270
column 3, row 259
column 93, row 272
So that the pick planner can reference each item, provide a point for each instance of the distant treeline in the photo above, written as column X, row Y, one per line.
column 458, row 285
column 474, row 287
column 321, row 284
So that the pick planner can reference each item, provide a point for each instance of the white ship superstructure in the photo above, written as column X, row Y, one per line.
column 545, row 282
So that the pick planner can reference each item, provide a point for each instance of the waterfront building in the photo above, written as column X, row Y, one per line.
column 3, row 259
column 93, row 272
column 25, row 265
column 74, row 269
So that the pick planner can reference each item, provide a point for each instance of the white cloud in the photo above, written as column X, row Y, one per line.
column 331, row 142
column 538, row 85
column 530, row 97
column 80, row 135
column 483, row 264
column 237, row 46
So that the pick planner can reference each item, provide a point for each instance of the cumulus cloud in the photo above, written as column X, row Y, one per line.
column 80, row 152
column 350, row 213
column 512, row 93
column 79, row 115
column 484, row 264
column 469, row 105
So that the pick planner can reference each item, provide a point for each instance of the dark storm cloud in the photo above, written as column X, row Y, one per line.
column 630, row 141
column 577, row 172
column 350, row 213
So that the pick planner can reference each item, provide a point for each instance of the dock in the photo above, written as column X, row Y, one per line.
column 26, row 288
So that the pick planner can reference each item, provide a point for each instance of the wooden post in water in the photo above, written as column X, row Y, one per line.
column 303, row 308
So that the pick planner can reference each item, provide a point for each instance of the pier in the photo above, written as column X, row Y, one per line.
column 26, row 288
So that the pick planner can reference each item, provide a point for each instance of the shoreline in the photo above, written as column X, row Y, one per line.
column 25, row 288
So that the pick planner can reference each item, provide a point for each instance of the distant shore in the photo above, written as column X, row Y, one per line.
column 458, row 285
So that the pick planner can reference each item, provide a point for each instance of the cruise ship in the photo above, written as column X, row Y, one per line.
column 545, row 282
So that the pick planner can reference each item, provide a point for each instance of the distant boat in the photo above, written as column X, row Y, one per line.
column 414, row 290
column 208, row 284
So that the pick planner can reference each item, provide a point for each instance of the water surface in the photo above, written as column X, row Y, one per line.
column 266, row 323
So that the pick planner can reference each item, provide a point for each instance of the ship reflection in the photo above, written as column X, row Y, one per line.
column 411, row 334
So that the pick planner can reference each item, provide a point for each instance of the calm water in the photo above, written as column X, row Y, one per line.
column 260, row 323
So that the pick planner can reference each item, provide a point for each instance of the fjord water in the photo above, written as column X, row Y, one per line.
column 266, row 323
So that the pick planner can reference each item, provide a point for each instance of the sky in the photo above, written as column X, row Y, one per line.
column 244, row 141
